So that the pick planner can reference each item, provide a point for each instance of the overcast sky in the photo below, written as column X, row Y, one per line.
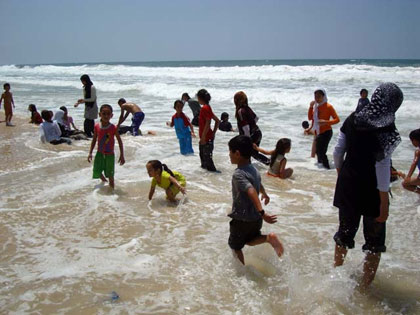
column 59, row 31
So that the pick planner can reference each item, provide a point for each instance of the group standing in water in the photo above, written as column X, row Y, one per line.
column 362, row 158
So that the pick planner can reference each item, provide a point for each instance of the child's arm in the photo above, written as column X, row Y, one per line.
column 92, row 145
column 177, row 184
column 266, row 152
column 205, row 130
column 1, row 99
column 121, row 160
column 282, row 168
column 122, row 116
column 13, row 102
column 191, row 128
column 74, row 127
column 413, row 166
column 151, row 191
column 252, row 194
column 217, row 123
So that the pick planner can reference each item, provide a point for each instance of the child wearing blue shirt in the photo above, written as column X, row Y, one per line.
column 183, row 128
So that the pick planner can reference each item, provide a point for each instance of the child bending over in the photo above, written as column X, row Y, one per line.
column 278, row 160
column 173, row 182
column 247, row 212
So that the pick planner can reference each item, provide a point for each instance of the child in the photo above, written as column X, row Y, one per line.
column 105, row 133
column 68, row 120
column 194, row 105
column 278, row 160
column 205, row 132
column 35, row 116
column 184, row 129
column 247, row 212
column 50, row 131
column 363, row 100
column 172, row 181
column 308, row 130
column 225, row 125
column 8, row 102
column 138, row 116
column 409, row 183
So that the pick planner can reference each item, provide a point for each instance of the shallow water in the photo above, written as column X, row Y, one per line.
column 68, row 241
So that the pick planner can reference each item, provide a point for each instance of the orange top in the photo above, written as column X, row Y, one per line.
column 325, row 111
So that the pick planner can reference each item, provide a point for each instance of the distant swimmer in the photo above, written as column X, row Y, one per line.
column 138, row 116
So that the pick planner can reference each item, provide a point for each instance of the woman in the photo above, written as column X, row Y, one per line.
column 91, row 108
column 367, row 139
column 320, row 111
column 247, row 124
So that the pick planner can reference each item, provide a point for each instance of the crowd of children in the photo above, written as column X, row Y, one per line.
column 247, row 211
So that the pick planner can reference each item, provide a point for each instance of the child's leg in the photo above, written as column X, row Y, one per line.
column 412, row 185
column 270, row 238
column 103, row 178
column 208, row 156
column 313, row 151
column 111, row 182
column 170, row 195
column 240, row 256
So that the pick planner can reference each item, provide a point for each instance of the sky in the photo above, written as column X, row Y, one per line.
column 67, row 31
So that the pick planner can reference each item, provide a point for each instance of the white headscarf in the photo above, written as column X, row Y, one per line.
column 324, row 100
column 58, row 117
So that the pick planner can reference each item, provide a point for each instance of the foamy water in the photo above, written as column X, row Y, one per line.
column 68, row 242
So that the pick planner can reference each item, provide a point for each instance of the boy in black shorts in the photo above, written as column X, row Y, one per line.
column 247, row 212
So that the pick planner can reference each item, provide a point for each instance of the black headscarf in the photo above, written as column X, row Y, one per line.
column 87, row 89
column 379, row 116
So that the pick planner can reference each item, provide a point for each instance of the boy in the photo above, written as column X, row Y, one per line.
column 138, row 116
column 225, row 125
column 50, row 131
column 194, row 105
column 8, row 102
column 247, row 212
column 363, row 100
column 105, row 133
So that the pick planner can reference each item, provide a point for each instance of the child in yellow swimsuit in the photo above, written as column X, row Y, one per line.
column 173, row 182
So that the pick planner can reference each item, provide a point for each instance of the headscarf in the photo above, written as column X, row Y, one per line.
column 379, row 116
column 324, row 100
column 87, row 89
column 58, row 117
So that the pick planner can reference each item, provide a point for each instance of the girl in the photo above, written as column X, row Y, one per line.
column 172, row 181
column 184, row 129
column 320, row 111
column 205, row 132
column 91, row 108
column 247, row 124
column 278, row 160
column 409, row 183
column 35, row 116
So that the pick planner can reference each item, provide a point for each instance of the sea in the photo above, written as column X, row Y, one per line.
column 71, row 245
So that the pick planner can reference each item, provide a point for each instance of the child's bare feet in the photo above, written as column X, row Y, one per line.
column 103, row 178
column 275, row 243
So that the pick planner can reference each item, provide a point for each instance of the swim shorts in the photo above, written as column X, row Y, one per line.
column 242, row 232
column 103, row 163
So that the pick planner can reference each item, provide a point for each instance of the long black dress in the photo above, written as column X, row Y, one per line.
column 356, row 188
